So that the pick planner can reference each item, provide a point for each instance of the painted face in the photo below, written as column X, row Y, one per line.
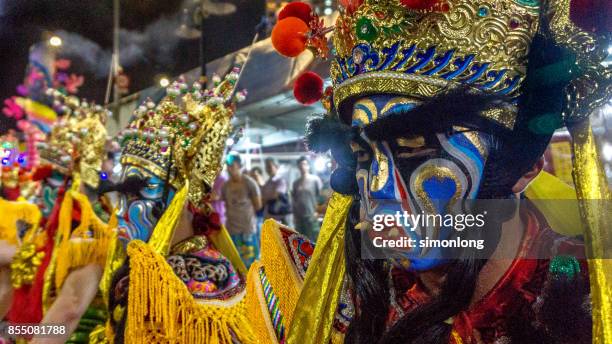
column 428, row 174
column 139, row 211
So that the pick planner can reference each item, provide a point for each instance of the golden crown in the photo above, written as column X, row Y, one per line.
column 183, row 137
column 77, row 140
column 417, row 48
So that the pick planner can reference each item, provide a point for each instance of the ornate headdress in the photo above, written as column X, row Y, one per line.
column 77, row 140
column 419, row 48
column 182, row 138
column 387, row 46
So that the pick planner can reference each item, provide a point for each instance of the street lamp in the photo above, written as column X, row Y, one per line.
column 55, row 41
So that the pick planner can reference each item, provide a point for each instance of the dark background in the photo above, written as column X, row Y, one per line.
column 148, row 40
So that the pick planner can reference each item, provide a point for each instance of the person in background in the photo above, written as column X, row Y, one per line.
column 257, row 174
column 216, row 201
column 305, row 199
column 242, row 199
column 274, row 194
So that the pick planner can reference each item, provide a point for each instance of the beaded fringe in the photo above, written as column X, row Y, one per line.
column 162, row 310
column 280, row 269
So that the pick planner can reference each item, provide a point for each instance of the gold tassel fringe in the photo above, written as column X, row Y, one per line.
column 257, row 307
column 280, row 269
column 12, row 213
column 87, row 244
column 162, row 310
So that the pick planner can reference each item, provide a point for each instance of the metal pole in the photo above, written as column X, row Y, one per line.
column 115, row 62
column 202, row 50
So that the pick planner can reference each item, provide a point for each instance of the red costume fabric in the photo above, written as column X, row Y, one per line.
column 512, row 296
column 27, row 304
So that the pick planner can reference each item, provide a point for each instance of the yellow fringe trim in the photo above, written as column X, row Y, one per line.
column 280, row 269
column 337, row 337
column 456, row 337
column 87, row 244
column 162, row 310
column 257, row 307
column 12, row 212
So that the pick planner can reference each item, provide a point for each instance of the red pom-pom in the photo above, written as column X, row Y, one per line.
column 308, row 88
column 289, row 36
column 432, row 5
column 42, row 172
column 296, row 9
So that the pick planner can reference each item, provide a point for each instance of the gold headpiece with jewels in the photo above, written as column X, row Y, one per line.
column 77, row 140
column 418, row 48
column 182, row 138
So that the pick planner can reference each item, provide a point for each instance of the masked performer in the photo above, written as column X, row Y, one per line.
column 446, row 101
column 175, row 275
column 19, row 216
column 50, row 270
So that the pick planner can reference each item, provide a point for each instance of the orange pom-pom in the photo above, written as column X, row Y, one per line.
column 308, row 88
column 289, row 36
column 296, row 9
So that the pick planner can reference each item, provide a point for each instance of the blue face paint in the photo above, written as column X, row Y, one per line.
column 136, row 213
column 409, row 175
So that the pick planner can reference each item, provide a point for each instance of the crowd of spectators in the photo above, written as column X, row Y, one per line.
column 245, row 198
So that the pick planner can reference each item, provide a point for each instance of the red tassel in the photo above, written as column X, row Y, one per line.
column 296, row 9
column 289, row 36
column 308, row 88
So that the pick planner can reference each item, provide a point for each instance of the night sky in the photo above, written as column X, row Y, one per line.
column 149, row 45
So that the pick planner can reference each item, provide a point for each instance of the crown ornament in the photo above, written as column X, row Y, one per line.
column 419, row 48
column 182, row 138
column 76, row 143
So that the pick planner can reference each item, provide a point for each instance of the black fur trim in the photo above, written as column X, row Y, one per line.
column 459, row 106
column 325, row 132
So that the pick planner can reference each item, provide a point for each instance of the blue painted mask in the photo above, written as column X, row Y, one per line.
column 415, row 175
column 139, row 210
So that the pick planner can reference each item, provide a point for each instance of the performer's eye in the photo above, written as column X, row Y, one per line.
column 414, row 146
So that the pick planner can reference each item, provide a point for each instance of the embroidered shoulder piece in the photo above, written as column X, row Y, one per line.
column 204, row 270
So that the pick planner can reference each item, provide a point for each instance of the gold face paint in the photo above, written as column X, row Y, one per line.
column 364, row 113
column 414, row 142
